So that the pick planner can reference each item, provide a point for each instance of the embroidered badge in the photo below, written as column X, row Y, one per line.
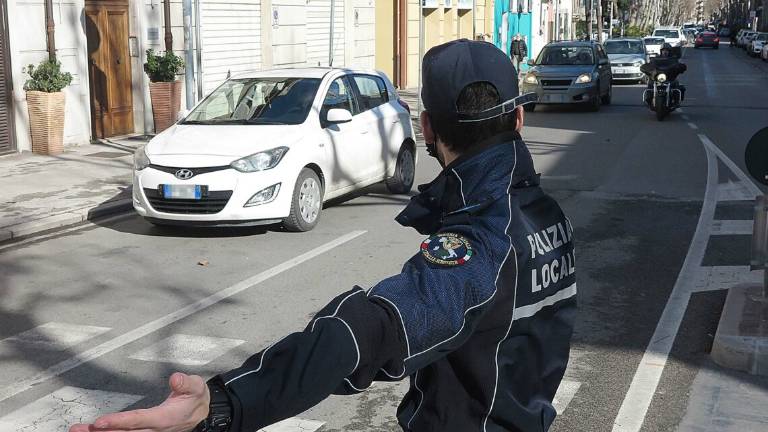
column 447, row 249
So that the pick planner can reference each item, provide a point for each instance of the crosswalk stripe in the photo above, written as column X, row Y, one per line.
column 715, row 278
column 187, row 350
column 294, row 425
column 732, row 227
column 564, row 395
column 57, row 411
column 734, row 191
column 56, row 335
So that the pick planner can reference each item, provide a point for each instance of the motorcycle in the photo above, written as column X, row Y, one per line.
column 665, row 94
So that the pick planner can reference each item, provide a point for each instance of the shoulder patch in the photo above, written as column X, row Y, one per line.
column 447, row 249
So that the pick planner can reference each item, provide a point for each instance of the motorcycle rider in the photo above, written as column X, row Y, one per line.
column 668, row 64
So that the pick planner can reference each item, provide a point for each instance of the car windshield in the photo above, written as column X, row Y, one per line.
column 654, row 41
column 762, row 37
column 623, row 47
column 566, row 55
column 257, row 101
column 667, row 33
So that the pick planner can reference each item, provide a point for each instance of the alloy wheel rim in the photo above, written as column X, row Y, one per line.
column 309, row 200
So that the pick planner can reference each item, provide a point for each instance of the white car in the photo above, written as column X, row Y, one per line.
column 745, row 38
column 271, row 147
column 755, row 47
column 673, row 36
column 653, row 45
column 764, row 52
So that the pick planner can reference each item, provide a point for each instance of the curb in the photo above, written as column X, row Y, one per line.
column 741, row 341
column 13, row 232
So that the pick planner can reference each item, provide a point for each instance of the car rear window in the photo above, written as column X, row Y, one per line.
column 667, row 33
column 623, row 47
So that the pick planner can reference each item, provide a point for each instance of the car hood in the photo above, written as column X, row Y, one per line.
column 626, row 58
column 562, row 70
column 228, row 141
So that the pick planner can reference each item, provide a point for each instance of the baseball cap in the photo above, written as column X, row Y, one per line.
column 450, row 67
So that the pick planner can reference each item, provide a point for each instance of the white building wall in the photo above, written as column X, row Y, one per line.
column 319, row 31
column 289, row 41
column 26, row 27
column 364, row 30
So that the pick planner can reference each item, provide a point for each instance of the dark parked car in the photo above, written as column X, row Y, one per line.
column 572, row 72
column 707, row 39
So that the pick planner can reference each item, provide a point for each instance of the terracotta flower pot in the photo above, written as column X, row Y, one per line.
column 46, row 121
column 166, row 103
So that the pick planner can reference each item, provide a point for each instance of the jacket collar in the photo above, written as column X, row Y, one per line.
column 471, row 182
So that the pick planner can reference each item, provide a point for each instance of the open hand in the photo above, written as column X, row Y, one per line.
column 185, row 407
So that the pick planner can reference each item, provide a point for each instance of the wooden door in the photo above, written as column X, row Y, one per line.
column 109, row 67
column 7, row 142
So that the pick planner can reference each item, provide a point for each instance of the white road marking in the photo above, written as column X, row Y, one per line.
column 734, row 191
column 638, row 398
column 187, row 350
column 294, row 425
column 564, row 395
column 57, row 411
column 113, row 344
column 55, row 336
column 88, row 224
column 732, row 227
column 716, row 278
column 754, row 190
column 693, row 126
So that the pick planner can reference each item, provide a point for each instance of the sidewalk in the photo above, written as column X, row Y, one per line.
column 40, row 193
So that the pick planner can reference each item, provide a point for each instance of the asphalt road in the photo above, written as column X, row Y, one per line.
column 95, row 319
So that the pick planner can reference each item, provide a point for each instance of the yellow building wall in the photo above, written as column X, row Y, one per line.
column 465, row 24
column 385, row 37
column 413, row 44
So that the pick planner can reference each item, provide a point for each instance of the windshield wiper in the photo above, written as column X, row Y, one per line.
column 264, row 122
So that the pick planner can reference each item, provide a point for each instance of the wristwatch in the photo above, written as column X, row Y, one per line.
column 220, row 411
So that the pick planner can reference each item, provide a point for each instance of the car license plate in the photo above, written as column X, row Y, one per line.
column 621, row 71
column 194, row 192
column 553, row 98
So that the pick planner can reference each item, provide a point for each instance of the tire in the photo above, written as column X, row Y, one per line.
column 661, row 112
column 594, row 104
column 717, row 46
column 606, row 100
column 405, row 172
column 531, row 107
column 307, row 202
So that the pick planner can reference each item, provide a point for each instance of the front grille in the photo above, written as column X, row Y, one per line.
column 618, row 76
column 555, row 82
column 195, row 171
column 212, row 202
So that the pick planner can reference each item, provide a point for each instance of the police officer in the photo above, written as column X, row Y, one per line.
column 479, row 319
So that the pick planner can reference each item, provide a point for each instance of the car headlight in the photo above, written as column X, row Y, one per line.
column 584, row 78
column 639, row 63
column 260, row 161
column 661, row 77
column 531, row 79
column 264, row 196
column 140, row 159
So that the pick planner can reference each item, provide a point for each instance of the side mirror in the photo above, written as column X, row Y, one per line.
column 531, row 62
column 338, row 115
column 182, row 114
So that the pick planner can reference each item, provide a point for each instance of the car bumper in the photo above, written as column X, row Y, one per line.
column 757, row 50
column 573, row 94
column 228, row 191
column 707, row 44
column 624, row 73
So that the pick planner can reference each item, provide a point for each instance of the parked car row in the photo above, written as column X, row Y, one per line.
column 753, row 42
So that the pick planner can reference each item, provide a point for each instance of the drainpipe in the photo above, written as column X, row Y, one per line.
column 167, row 24
column 199, row 49
column 49, row 30
column 330, row 36
column 189, row 55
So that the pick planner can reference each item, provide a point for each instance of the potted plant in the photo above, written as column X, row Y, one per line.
column 45, row 105
column 164, row 89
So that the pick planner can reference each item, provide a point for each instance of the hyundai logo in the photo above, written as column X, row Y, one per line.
column 184, row 174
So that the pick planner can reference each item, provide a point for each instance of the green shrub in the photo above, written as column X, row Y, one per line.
column 162, row 68
column 47, row 77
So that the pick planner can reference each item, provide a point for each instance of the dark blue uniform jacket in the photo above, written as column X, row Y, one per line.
column 484, row 342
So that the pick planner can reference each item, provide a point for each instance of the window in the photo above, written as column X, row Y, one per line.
column 624, row 47
column 257, row 101
column 372, row 90
column 667, row 33
column 566, row 55
column 339, row 96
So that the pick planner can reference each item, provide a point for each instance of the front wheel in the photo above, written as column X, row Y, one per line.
column 606, row 100
column 405, row 172
column 661, row 109
column 594, row 104
column 307, row 202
